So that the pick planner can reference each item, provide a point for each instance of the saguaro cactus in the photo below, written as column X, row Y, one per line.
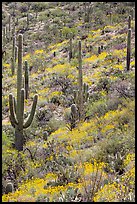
column 70, row 47
column 26, row 80
column 85, row 92
column 81, row 95
column 17, row 108
column 129, row 22
column 73, row 116
column 16, row 52
column 9, row 26
column 128, row 49
column 80, row 83
column 14, row 28
column 6, row 33
column 99, row 50
column 9, row 188
column 13, row 56
column 133, row 14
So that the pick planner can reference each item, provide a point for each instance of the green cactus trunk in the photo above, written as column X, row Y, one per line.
column 80, row 82
column 19, row 139
column 129, row 22
column 133, row 14
column 14, row 28
column 6, row 33
column 16, row 53
column 128, row 49
column 19, row 76
column 9, row 188
column 9, row 26
column 26, row 80
column 99, row 50
column 17, row 108
column 70, row 49
column 13, row 57
column 85, row 92
column 27, row 20
column 81, row 95
column 73, row 116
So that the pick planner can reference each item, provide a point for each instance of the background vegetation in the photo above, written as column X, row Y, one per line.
column 95, row 159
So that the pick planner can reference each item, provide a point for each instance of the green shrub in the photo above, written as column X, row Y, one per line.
column 54, row 124
column 98, row 108
column 114, row 150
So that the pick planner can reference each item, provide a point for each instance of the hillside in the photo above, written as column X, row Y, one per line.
column 80, row 145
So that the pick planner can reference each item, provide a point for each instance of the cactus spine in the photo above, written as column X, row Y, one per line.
column 128, row 49
column 26, row 80
column 17, row 108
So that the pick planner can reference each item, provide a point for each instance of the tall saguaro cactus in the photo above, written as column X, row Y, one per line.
column 128, row 49
column 82, row 94
column 17, row 108
column 73, row 116
column 14, row 28
column 80, row 83
column 70, row 48
column 9, row 26
column 26, row 80
column 16, row 52
column 13, row 56
column 129, row 22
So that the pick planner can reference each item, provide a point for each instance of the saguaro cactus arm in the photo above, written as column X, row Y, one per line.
column 15, row 105
column 22, row 109
column 12, row 110
column 30, row 117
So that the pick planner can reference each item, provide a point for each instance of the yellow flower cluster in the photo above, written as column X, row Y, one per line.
column 39, row 52
column 107, row 194
column 93, row 58
column 102, row 56
column 55, row 93
column 34, row 188
column 119, row 53
column 61, row 69
column 26, row 57
column 129, row 160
